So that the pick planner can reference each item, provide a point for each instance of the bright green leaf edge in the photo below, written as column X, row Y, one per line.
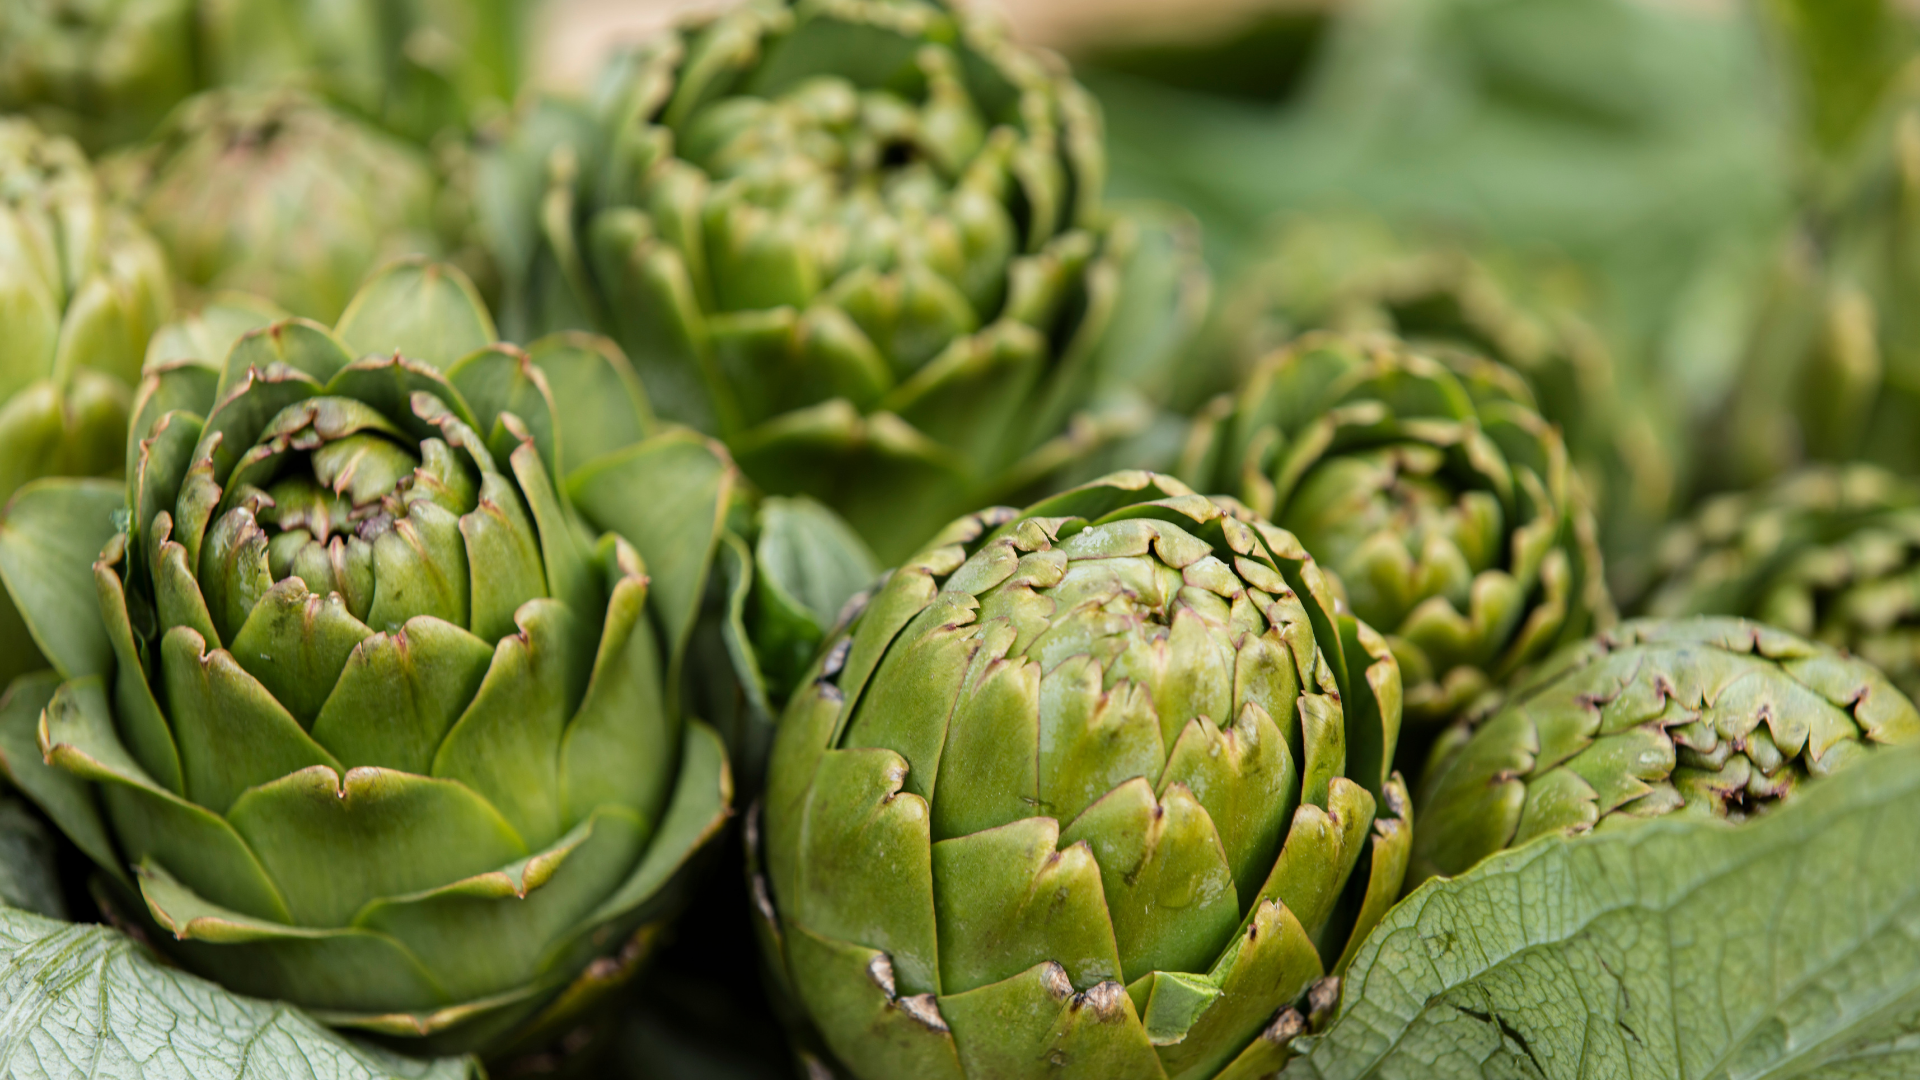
column 1785, row 947
column 85, row 1000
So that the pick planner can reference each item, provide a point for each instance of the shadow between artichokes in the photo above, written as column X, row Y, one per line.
column 1082, row 791
column 863, row 243
column 1437, row 499
column 372, row 692
column 1709, row 716
column 82, row 285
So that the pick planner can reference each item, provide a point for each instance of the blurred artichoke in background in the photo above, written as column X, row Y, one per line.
column 1829, row 553
column 415, row 67
column 1354, row 272
column 378, row 710
column 82, row 285
column 1711, row 716
column 280, row 195
column 1438, row 500
column 103, row 72
column 1832, row 370
column 1082, row 789
column 864, row 243
column 107, row 71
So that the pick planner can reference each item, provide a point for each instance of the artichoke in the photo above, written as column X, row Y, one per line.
column 102, row 72
column 81, row 288
column 863, row 243
column 1710, row 716
column 280, row 195
column 1079, row 792
column 1352, row 272
column 107, row 71
column 377, row 711
column 1437, row 499
column 1830, row 553
column 1832, row 371
column 415, row 67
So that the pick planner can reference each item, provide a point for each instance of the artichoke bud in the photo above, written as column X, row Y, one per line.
column 389, row 725
column 1433, row 493
column 102, row 73
column 1707, row 716
column 277, row 194
column 1828, row 553
column 1105, row 765
column 903, row 167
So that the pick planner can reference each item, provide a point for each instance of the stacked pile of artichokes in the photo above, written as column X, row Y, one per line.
column 449, row 529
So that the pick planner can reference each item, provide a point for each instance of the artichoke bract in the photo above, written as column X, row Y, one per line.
column 1711, row 716
column 1079, row 793
column 370, row 698
column 82, row 285
column 862, row 242
column 1830, row 553
column 280, row 195
column 1433, row 493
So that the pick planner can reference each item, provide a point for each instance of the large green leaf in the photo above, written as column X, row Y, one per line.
column 84, row 1000
column 1787, row 947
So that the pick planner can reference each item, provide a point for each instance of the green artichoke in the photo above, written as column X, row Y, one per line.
column 863, row 243
column 82, row 285
column 1438, row 500
column 107, row 71
column 280, row 195
column 1713, row 716
column 102, row 72
column 1829, row 553
column 377, row 711
column 415, row 67
column 1832, row 370
column 1079, row 793
column 1352, row 272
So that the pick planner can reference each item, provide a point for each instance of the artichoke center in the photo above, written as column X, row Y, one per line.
column 1397, row 526
column 829, row 184
column 341, row 499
